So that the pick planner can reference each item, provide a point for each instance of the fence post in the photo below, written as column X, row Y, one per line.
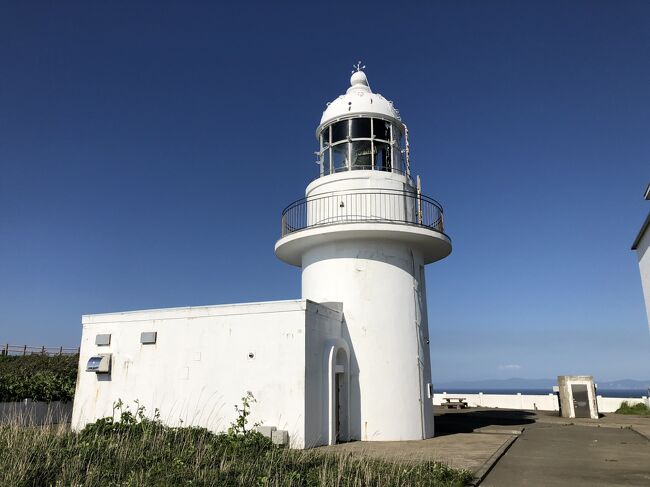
column 24, row 350
column 61, row 351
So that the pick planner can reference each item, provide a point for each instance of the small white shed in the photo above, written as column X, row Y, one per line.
column 577, row 396
column 194, row 364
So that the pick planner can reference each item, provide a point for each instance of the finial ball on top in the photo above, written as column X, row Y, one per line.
column 358, row 78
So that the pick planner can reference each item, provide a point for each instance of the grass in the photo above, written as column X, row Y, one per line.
column 137, row 451
column 147, row 453
column 638, row 409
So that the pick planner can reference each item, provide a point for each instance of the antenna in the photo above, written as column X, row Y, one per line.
column 419, row 193
column 408, row 151
column 358, row 67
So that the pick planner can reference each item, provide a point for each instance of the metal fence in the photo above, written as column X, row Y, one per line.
column 23, row 350
column 402, row 207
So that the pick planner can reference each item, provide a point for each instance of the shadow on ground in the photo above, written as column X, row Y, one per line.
column 448, row 422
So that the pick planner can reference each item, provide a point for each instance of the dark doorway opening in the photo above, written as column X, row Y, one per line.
column 580, row 400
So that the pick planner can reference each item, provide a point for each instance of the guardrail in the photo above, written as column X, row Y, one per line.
column 405, row 207
column 18, row 350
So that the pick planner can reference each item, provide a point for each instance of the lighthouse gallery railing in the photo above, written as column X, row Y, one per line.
column 361, row 206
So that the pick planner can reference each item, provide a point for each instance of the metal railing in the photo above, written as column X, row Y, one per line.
column 405, row 207
column 25, row 350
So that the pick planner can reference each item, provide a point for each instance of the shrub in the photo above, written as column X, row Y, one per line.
column 638, row 408
column 38, row 377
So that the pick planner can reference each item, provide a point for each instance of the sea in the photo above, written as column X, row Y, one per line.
column 600, row 392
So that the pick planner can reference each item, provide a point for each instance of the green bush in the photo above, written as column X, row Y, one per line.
column 38, row 377
column 638, row 408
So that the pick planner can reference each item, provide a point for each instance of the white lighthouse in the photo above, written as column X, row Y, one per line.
column 349, row 360
column 362, row 236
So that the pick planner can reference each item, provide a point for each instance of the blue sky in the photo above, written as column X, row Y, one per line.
column 147, row 150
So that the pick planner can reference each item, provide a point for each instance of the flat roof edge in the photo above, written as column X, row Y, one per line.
column 190, row 311
column 332, row 309
column 638, row 238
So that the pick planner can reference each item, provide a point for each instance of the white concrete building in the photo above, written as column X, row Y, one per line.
column 640, row 245
column 350, row 360
column 202, row 360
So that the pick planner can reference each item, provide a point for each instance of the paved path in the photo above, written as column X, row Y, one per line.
column 465, row 441
column 462, row 450
column 552, row 451
column 554, row 454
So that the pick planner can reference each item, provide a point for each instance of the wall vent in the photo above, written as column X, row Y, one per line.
column 148, row 337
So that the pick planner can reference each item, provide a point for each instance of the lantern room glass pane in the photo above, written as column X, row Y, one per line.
column 325, row 137
column 397, row 160
column 399, row 138
column 360, row 128
column 381, row 129
column 339, row 131
column 325, row 161
column 340, row 157
column 382, row 156
column 361, row 154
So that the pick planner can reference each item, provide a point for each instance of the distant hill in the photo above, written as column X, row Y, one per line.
column 624, row 384
column 525, row 384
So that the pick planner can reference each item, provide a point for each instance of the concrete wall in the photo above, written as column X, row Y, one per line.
column 611, row 404
column 205, row 359
column 380, row 286
column 354, row 195
column 644, row 267
column 323, row 332
column 35, row 413
column 541, row 402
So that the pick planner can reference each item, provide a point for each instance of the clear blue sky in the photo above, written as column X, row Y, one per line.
column 147, row 151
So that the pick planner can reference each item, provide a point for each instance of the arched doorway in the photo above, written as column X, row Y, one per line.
column 341, row 397
column 339, row 391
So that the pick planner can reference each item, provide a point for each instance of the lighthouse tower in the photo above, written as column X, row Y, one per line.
column 362, row 236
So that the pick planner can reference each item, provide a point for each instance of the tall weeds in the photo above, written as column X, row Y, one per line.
column 142, row 452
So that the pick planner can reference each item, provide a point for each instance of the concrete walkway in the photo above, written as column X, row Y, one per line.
column 554, row 454
column 640, row 424
column 468, row 451
column 468, row 441
column 547, row 450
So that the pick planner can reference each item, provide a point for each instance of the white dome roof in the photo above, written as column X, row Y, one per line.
column 359, row 99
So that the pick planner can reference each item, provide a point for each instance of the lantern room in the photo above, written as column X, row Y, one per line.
column 361, row 130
